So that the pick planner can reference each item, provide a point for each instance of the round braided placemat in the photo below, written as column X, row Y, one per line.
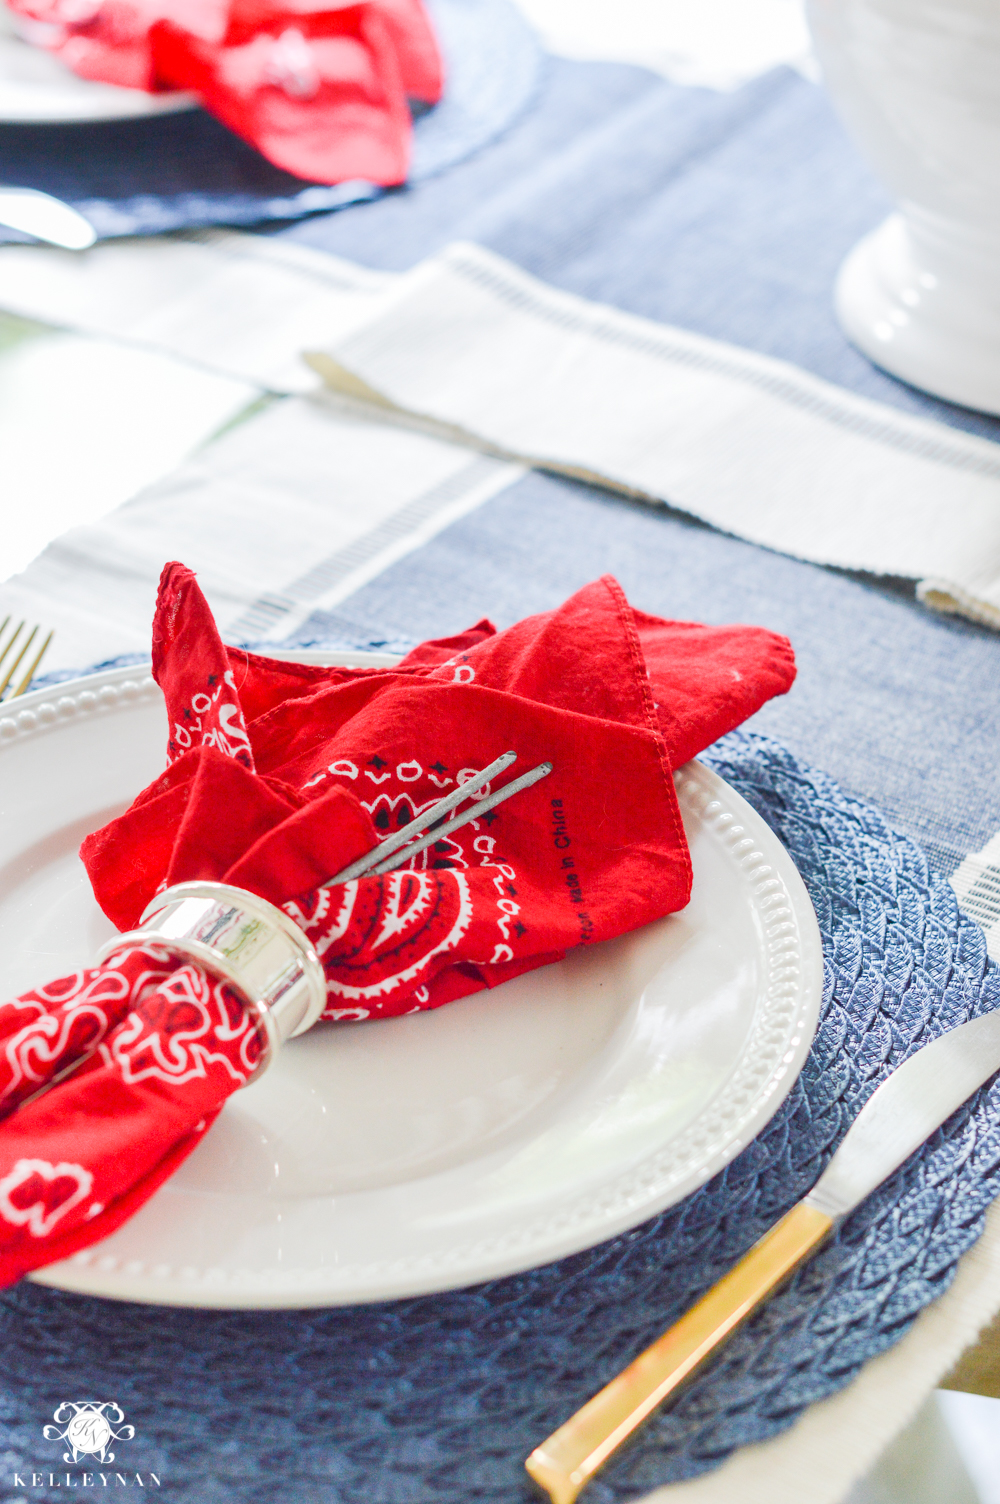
column 439, row 1399
column 184, row 171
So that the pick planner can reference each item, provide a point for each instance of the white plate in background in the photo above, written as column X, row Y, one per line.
column 37, row 89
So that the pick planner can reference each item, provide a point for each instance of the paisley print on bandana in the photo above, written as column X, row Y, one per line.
column 174, row 1034
column 386, row 934
column 35, row 1194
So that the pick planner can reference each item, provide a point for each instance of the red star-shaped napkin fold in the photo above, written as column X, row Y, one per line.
column 320, row 89
column 279, row 776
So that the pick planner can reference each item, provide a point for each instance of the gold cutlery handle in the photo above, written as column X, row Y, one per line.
column 573, row 1454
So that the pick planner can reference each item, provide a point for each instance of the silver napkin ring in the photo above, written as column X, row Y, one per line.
column 245, row 941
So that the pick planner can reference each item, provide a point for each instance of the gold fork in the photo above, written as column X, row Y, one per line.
column 23, row 644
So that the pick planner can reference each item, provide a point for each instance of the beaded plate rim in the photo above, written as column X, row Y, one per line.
column 772, row 1056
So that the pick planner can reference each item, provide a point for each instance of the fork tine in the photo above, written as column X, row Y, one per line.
column 11, row 640
column 431, row 816
column 457, row 821
column 32, row 671
column 17, row 661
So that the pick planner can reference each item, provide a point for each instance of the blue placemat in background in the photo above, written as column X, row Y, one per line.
column 173, row 172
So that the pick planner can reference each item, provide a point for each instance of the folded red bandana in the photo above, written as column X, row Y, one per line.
column 279, row 776
column 320, row 89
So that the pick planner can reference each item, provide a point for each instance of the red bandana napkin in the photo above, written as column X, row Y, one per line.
column 320, row 89
column 280, row 775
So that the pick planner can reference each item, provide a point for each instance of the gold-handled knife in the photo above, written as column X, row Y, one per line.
column 896, row 1119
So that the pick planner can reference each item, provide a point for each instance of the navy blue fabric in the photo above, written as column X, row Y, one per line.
column 172, row 172
column 438, row 1400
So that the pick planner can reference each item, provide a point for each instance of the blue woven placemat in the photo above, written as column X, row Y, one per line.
column 439, row 1399
column 173, row 172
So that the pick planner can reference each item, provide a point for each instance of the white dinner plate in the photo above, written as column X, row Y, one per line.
column 36, row 88
column 408, row 1155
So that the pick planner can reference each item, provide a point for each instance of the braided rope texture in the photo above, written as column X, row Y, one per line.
column 439, row 1399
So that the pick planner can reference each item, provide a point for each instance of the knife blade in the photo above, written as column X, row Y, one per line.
column 46, row 218
column 897, row 1118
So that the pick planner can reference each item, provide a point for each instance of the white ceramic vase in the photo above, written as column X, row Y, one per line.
column 918, row 84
